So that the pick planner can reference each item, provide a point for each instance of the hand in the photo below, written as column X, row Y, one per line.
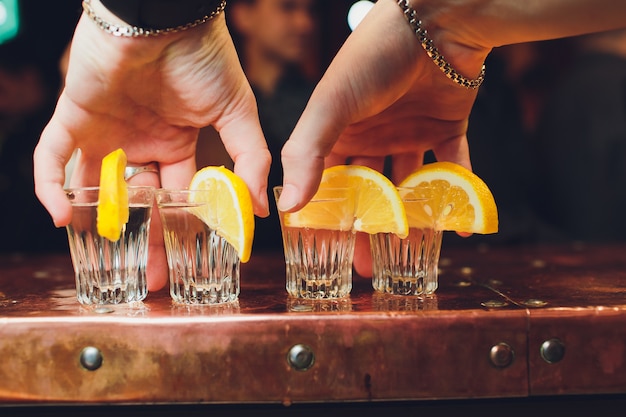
column 150, row 96
column 382, row 95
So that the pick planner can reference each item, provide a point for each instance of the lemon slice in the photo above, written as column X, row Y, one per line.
column 353, row 197
column 457, row 199
column 229, row 210
column 112, row 210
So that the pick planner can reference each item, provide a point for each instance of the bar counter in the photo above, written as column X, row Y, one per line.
column 505, row 323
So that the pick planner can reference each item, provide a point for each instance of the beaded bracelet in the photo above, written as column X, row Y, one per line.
column 422, row 35
column 130, row 31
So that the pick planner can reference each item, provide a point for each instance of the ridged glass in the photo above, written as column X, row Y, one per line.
column 109, row 272
column 406, row 266
column 318, row 261
column 203, row 267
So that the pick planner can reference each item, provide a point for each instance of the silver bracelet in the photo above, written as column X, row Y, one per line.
column 134, row 31
column 422, row 35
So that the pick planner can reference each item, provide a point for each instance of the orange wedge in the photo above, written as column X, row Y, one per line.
column 458, row 199
column 353, row 197
column 112, row 210
column 229, row 210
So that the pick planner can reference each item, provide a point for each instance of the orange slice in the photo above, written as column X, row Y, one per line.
column 229, row 210
column 353, row 197
column 112, row 210
column 455, row 199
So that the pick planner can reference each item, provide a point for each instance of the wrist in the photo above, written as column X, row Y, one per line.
column 103, row 12
column 443, row 40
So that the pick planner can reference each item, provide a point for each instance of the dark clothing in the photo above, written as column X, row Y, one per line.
column 278, row 114
column 26, row 225
column 581, row 140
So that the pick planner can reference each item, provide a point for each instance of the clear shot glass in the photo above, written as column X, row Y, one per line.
column 318, row 243
column 203, row 266
column 109, row 272
column 408, row 266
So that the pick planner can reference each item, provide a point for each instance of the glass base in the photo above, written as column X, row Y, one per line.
column 406, row 266
column 299, row 285
column 90, row 294
column 213, row 294
column 404, row 285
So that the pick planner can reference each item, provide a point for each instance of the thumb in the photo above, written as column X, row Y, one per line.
column 347, row 93
column 49, row 158
column 303, row 154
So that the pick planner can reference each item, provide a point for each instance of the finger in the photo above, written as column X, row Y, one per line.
column 362, row 255
column 52, row 153
column 454, row 150
column 86, row 170
column 304, row 154
column 175, row 175
column 253, row 168
column 347, row 93
column 245, row 143
column 157, row 270
column 335, row 159
column 377, row 163
column 403, row 165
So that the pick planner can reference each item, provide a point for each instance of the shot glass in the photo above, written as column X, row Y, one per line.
column 203, row 266
column 408, row 266
column 318, row 242
column 109, row 272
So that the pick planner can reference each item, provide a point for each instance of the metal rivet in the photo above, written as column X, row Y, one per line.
column 501, row 355
column 91, row 358
column 552, row 351
column 494, row 304
column 535, row 303
column 300, row 357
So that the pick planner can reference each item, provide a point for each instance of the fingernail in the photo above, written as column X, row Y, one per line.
column 288, row 198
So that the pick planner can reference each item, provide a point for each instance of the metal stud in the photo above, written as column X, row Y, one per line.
column 91, row 358
column 494, row 304
column 301, row 357
column 533, row 302
column 552, row 351
column 501, row 355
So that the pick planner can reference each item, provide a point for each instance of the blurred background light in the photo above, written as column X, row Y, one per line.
column 357, row 12
column 9, row 20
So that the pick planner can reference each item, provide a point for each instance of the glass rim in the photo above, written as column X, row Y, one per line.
column 97, row 187
column 328, row 197
column 181, row 190
column 280, row 187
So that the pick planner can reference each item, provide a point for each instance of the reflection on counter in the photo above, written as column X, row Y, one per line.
column 390, row 302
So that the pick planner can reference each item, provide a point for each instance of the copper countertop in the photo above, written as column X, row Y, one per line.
column 506, row 322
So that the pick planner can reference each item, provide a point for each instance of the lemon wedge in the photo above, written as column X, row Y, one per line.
column 457, row 199
column 229, row 208
column 353, row 197
column 112, row 210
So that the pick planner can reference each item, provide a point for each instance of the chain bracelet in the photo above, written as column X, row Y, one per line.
column 134, row 31
column 422, row 35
